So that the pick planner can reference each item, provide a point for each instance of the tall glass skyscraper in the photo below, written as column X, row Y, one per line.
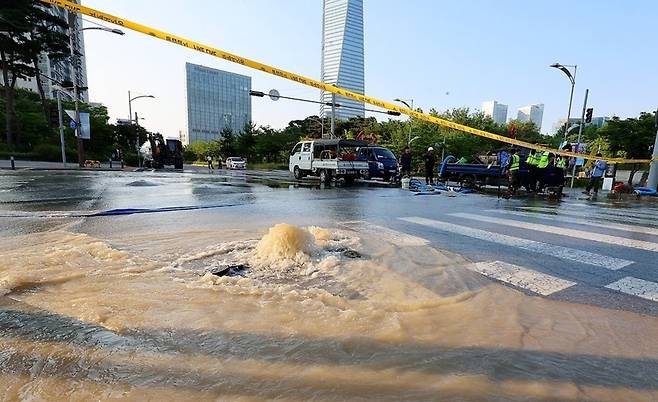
column 216, row 100
column 342, row 55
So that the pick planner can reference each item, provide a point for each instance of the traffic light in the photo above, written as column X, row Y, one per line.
column 53, row 116
column 588, row 115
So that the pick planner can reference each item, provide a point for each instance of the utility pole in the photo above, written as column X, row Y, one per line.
column 61, row 126
column 74, row 79
column 580, row 133
column 653, row 167
column 333, row 115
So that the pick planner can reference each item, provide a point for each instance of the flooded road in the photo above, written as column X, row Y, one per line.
column 108, row 290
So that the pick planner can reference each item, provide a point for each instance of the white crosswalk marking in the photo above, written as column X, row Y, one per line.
column 521, row 277
column 636, row 287
column 561, row 252
column 637, row 213
column 557, row 218
column 390, row 235
column 580, row 234
column 600, row 216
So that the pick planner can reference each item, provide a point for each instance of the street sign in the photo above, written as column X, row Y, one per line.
column 274, row 95
column 73, row 124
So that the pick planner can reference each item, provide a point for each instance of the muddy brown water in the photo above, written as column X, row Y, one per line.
column 89, row 319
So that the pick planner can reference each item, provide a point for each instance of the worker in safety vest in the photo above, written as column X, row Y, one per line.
column 542, row 164
column 531, row 161
column 513, row 172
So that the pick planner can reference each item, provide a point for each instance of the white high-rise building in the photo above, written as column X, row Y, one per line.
column 533, row 113
column 61, row 70
column 342, row 55
column 497, row 111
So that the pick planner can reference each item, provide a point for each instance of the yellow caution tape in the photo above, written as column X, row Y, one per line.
column 177, row 40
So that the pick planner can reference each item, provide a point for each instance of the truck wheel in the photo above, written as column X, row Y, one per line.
column 468, row 181
column 325, row 176
column 297, row 172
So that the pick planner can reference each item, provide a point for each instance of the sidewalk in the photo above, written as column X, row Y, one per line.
column 5, row 164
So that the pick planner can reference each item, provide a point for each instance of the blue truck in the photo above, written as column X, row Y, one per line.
column 489, row 169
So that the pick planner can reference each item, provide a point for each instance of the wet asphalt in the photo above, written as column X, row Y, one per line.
column 578, row 240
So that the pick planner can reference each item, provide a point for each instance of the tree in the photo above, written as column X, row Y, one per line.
column 227, row 142
column 26, row 30
column 245, row 141
column 630, row 138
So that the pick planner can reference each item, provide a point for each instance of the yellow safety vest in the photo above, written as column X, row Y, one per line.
column 515, row 162
column 532, row 160
column 543, row 160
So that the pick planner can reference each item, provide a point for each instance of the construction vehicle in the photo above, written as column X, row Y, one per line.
column 165, row 152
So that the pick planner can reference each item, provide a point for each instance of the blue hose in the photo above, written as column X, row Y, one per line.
column 442, row 170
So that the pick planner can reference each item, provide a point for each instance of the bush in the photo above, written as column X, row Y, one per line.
column 48, row 152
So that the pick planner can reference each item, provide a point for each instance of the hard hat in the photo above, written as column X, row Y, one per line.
column 430, row 149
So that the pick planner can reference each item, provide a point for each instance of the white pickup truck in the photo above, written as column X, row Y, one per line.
column 328, row 159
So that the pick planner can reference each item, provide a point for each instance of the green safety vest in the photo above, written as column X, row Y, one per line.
column 532, row 160
column 561, row 163
column 514, row 165
column 543, row 160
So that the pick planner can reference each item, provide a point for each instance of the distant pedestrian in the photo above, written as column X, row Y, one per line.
column 209, row 160
column 513, row 172
column 531, row 161
column 405, row 162
column 600, row 166
column 430, row 161
column 542, row 165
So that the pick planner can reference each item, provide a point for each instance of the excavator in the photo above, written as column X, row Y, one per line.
column 165, row 152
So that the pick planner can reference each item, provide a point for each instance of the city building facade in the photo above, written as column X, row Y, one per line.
column 343, row 55
column 533, row 113
column 497, row 111
column 61, row 70
column 216, row 100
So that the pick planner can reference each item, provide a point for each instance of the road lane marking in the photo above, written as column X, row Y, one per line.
column 599, row 216
column 521, row 277
column 579, row 234
column 623, row 212
column 617, row 226
column 636, row 287
column 564, row 253
column 392, row 236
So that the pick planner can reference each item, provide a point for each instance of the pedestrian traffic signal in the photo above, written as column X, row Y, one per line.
column 588, row 115
column 53, row 116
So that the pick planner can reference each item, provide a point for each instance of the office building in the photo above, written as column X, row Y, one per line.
column 216, row 100
column 533, row 113
column 497, row 111
column 61, row 70
column 342, row 55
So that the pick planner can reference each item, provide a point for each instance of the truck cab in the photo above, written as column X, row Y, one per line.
column 381, row 162
column 328, row 159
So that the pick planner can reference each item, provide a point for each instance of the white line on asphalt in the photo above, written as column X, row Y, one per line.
column 579, row 234
column 617, row 226
column 623, row 212
column 636, row 287
column 390, row 235
column 561, row 252
column 521, row 277
column 597, row 215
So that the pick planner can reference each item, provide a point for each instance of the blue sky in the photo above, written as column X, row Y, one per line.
column 475, row 50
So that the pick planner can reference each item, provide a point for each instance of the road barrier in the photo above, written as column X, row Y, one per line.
column 199, row 47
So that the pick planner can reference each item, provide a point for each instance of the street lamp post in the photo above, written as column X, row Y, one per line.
column 74, row 79
column 565, row 69
column 130, row 118
column 410, row 118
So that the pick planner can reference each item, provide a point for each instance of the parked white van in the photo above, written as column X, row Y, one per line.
column 328, row 159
